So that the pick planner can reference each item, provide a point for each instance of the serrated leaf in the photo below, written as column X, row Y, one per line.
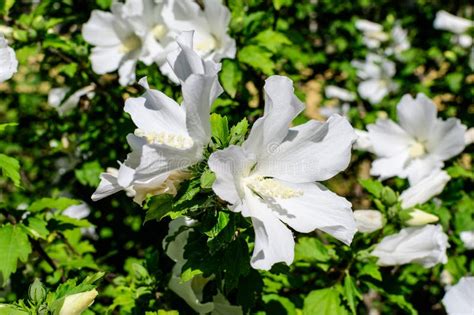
column 220, row 129
column 159, row 207
column 351, row 293
column 14, row 247
column 230, row 76
column 36, row 228
column 258, row 58
column 207, row 179
column 324, row 302
column 10, row 168
column 238, row 132
column 311, row 249
column 189, row 273
column 372, row 186
column 52, row 203
column 371, row 270
column 272, row 40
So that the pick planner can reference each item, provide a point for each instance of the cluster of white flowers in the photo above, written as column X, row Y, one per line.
column 457, row 25
column 145, row 30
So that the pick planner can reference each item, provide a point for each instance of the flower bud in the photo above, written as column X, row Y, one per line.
column 77, row 303
column 36, row 292
column 368, row 221
column 419, row 217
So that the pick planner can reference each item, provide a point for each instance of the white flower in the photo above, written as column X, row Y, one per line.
column 56, row 98
column 8, row 62
column 192, row 290
column 169, row 138
column 399, row 41
column 419, row 217
column 332, row 91
column 368, row 221
column 270, row 179
column 363, row 141
column 77, row 303
column 81, row 211
column 459, row 299
column 418, row 144
column 467, row 237
column 425, row 189
column 376, row 73
column 210, row 25
column 373, row 33
column 145, row 30
column 457, row 25
column 423, row 245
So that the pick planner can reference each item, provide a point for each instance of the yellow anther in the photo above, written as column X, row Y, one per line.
column 269, row 187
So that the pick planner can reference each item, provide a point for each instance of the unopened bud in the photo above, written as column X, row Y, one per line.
column 77, row 303
column 419, row 217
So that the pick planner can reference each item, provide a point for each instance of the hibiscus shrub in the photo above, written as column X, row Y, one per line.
column 236, row 157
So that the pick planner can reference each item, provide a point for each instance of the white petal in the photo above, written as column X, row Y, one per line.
column 106, row 59
column 425, row 189
column 332, row 91
column 310, row 152
column 127, row 72
column 281, row 107
column 373, row 90
column 230, row 165
column 368, row 221
column 449, row 22
column 418, row 169
column 317, row 208
column 423, row 245
column 459, row 299
column 155, row 112
column 446, row 139
column 417, row 116
column 388, row 138
column 99, row 30
column 273, row 240
column 8, row 61
column 80, row 211
column 368, row 26
column 56, row 96
column 108, row 186
column 363, row 142
column 467, row 237
column 390, row 166
column 199, row 92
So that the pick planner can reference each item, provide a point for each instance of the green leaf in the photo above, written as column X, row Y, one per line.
column 6, row 309
column 388, row 196
column 351, row 293
column 275, row 304
column 36, row 228
column 457, row 171
column 230, row 76
column 370, row 269
column 104, row 4
column 10, row 168
column 311, row 249
column 454, row 81
column 280, row 3
column 238, row 132
column 189, row 273
column 89, row 174
column 374, row 187
column 400, row 301
column 52, row 203
column 220, row 129
column 207, row 179
column 324, row 302
column 5, row 6
column 159, row 207
column 258, row 58
column 272, row 40
column 3, row 127
column 14, row 247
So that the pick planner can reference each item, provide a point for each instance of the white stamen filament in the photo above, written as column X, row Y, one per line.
column 169, row 139
column 130, row 44
column 269, row 187
column 159, row 31
column 417, row 150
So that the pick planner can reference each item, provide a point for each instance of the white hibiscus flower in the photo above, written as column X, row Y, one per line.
column 418, row 144
column 8, row 62
column 368, row 221
column 169, row 138
column 454, row 24
column 425, row 189
column 192, row 290
column 271, row 177
column 373, row 33
column 467, row 237
column 423, row 245
column 210, row 25
column 459, row 299
column 377, row 73
column 399, row 42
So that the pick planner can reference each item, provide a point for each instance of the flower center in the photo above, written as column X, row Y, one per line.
column 269, row 187
column 159, row 31
column 207, row 44
column 416, row 150
column 169, row 139
column 130, row 44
